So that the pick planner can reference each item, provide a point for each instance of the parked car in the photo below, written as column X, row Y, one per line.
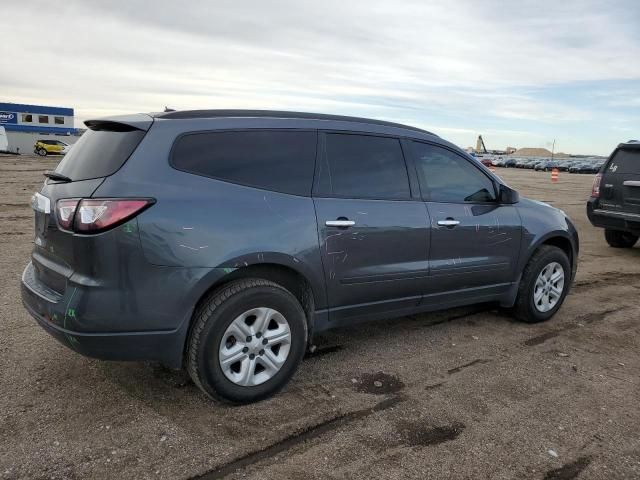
column 46, row 147
column 615, row 198
column 585, row 167
column 497, row 162
column 486, row 162
column 577, row 167
column 546, row 166
column 223, row 241
column 565, row 165
column 510, row 163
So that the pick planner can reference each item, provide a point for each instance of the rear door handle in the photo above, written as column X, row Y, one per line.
column 449, row 222
column 340, row 223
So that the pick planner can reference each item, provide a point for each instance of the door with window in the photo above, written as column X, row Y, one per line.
column 374, row 236
column 475, row 241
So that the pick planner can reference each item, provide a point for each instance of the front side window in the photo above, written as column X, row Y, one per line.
column 43, row 118
column 448, row 177
column 363, row 166
column 278, row 160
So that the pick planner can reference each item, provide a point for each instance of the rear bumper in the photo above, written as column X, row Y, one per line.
column 625, row 222
column 50, row 310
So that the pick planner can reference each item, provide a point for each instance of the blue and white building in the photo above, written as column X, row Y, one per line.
column 25, row 124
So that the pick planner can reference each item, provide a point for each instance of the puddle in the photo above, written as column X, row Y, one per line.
column 422, row 435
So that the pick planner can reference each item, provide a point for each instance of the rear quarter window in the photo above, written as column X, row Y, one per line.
column 277, row 160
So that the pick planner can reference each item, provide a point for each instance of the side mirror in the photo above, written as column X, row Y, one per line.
column 507, row 195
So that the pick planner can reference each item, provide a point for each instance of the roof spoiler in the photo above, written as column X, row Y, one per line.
column 121, row 123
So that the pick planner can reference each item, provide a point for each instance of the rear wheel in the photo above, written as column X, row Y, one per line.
column 42, row 152
column 247, row 341
column 544, row 285
column 618, row 239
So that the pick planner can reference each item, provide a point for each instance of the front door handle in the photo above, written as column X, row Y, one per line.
column 449, row 222
column 341, row 222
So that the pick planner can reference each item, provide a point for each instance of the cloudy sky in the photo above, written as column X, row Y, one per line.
column 520, row 72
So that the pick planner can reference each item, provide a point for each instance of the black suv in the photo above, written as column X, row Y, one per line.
column 615, row 198
column 222, row 241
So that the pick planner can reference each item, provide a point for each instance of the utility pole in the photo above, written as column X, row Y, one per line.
column 553, row 149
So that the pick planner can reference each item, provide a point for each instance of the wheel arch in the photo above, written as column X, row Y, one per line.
column 560, row 239
column 293, row 280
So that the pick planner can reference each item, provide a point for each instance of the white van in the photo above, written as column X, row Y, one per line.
column 4, row 143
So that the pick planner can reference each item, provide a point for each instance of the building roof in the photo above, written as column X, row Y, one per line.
column 44, row 110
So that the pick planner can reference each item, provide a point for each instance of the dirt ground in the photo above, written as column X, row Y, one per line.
column 464, row 393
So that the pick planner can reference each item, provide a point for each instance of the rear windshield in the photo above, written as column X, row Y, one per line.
column 625, row 161
column 99, row 154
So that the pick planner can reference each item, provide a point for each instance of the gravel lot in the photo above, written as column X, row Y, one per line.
column 464, row 393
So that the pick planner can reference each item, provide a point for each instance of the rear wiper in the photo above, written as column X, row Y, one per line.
column 57, row 176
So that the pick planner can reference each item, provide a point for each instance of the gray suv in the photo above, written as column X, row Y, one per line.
column 222, row 241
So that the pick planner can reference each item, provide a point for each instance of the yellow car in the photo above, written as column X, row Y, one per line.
column 46, row 147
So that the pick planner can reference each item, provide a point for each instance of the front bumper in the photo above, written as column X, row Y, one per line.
column 54, row 314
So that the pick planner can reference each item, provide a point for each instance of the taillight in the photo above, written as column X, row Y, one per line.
column 595, row 189
column 95, row 215
column 65, row 211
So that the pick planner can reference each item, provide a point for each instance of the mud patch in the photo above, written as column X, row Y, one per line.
column 173, row 378
column 321, row 351
column 422, row 435
column 434, row 386
column 606, row 279
column 478, row 361
column 583, row 319
column 540, row 339
column 569, row 471
column 378, row 384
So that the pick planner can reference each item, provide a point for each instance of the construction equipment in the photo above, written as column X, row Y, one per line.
column 480, row 147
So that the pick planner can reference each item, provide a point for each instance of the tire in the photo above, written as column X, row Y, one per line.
column 618, row 239
column 229, row 305
column 525, row 308
column 42, row 152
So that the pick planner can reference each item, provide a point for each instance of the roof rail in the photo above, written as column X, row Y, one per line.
column 189, row 114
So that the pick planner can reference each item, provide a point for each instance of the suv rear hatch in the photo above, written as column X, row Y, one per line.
column 620, row 184
column 101, row 151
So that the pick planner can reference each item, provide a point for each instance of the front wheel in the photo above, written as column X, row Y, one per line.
column 42, row 152
column 618, row 239
column 544, row 285
column 247, row 341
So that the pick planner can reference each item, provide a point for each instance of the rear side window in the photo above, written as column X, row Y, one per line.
column 278, row 160
column 625, row 161
column 363, row 166
column 99, row 154
column 450, row 178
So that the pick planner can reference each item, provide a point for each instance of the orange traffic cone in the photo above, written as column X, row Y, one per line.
column 554, row 175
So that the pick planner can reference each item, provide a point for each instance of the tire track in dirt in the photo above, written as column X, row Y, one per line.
column 298, row 438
